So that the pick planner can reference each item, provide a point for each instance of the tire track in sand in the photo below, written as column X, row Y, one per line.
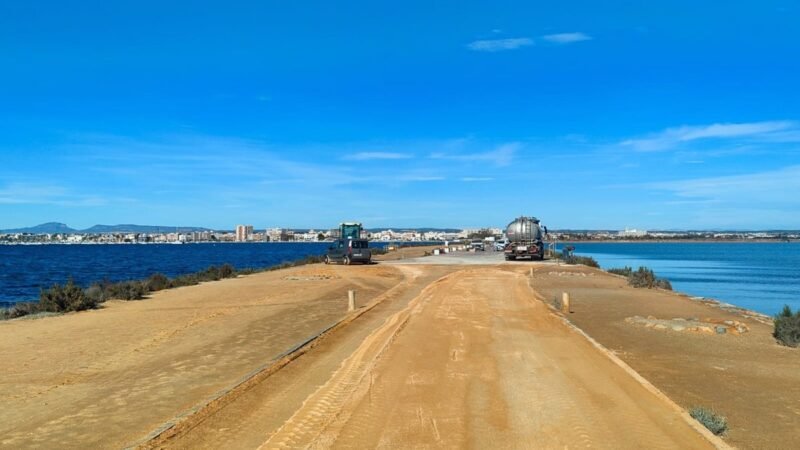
column 315, row 423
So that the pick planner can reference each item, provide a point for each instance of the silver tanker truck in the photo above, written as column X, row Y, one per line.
column 524, row 239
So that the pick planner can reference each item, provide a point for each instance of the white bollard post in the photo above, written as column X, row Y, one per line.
column 565, row 302
column 351, row 301
column 531, row 273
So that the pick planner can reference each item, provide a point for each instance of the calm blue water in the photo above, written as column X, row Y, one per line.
column 762, row 277
column 758, row 276
column 24, row 269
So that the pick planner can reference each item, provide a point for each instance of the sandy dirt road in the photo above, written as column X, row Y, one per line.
column 475, row 362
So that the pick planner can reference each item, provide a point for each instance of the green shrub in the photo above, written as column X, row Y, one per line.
column 68, row 297
column 19, row 310
column 96, row 293
column 569, row 258
column 157, row 282
column 184, row 280
column 587, row 261
column 227, row 271
column 646, row 278
column 710, row 419
column 127, row 290
column 787, row 327
column 625, row 271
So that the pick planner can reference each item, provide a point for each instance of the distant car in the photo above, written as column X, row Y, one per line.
column 500, row 245
column 348, row 251
column 477, row 245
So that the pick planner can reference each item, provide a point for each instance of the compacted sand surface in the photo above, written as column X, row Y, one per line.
column 107, row 378
column 460, row 351
column 474, row 362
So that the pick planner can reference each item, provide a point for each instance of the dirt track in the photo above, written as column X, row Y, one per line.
column 474, row 362
column 449, row 356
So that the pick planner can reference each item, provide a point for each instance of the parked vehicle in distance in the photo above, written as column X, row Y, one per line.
column 348, row 251
column 501, row 245
column 477, row 244
column 349, row 248
column 525, row 239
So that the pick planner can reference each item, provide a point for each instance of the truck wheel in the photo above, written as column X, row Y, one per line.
column 327, row 259
column 346, row 261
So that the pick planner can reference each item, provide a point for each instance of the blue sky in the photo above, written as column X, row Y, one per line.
column 655, row 115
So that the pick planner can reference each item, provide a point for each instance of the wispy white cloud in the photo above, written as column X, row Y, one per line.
column 44, row 194
column 472, row 179
column 772, row 186
column 566, row 38
column 365, row 156
column 783, row 131
column 498, row 45
column 501, row 156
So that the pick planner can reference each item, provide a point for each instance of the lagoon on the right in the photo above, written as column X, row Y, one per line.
column 754, row 275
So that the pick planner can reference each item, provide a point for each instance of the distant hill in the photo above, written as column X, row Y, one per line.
column 56, row 227
column 45, row 228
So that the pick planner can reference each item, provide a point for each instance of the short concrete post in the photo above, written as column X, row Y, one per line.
column 530, row 274
column 351, row 301
column 565, row 302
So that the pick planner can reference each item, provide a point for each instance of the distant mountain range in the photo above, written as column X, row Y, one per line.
column 57, row 227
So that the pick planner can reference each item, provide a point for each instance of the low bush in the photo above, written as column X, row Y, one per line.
column 227, row 271
column 66, row 298
column 642, row 278
column 787, row 327
column 128, row 290
column 569, row 258
column 157, row 282
column 184, row 280
column 710, row 419
column 625, row 271
column 646, row 278
column 19, row 310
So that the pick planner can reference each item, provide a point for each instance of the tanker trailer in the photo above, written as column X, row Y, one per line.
column 524, row 239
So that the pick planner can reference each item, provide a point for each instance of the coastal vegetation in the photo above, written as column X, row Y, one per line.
column 642, row 278
column 787, row 327
column 569, row 258
column 715, row 423
column 70, row 297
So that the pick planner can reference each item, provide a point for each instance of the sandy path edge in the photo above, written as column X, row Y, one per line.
column 186, row 420
column 715, row 440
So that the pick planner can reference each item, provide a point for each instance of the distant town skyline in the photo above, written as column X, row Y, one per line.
column 660, row 115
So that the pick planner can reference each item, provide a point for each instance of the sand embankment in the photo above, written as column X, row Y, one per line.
column 746, row 377
column 447, row 355
column 108, row 377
